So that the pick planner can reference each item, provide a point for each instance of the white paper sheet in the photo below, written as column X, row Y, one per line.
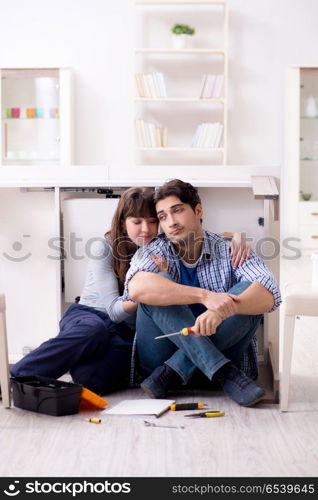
column 154, row 407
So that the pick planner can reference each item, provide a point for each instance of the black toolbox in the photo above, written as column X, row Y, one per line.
column 46, row 395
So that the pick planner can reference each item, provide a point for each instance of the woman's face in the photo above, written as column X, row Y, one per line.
column 141, row 230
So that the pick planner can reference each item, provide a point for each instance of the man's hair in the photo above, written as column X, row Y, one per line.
column 182, row 190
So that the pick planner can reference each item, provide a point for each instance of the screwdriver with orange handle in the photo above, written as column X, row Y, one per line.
column 184, row 331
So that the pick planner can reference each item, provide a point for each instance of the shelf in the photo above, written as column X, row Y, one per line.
column 177, row 99
column 309, row 160
column 30, row 119
column 28, row 159
column 180, row 2
column 179, row 51
column 309, row 117
column 180, row 149
column 308, row 201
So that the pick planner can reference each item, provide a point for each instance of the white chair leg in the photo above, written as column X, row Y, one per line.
column 4, row 363
column 287, row 351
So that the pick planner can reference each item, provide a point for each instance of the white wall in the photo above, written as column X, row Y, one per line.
column 95, row 38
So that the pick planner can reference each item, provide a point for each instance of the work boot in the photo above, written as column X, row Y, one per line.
column 238, row 386
column 162, row 379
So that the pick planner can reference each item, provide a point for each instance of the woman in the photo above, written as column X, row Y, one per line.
column 96, row 335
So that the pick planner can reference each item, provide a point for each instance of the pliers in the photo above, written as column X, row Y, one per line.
column 207, row 414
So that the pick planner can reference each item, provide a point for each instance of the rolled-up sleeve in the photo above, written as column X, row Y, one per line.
column 141, row 261
column 255, row 269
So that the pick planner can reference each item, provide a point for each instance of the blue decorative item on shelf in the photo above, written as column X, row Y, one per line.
column 39, row 112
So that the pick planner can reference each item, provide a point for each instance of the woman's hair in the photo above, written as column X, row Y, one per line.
column 134, row 202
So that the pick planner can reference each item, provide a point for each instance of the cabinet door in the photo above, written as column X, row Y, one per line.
column 35, row 116
column 28, row 267
column 85, row 221
column 290, row 171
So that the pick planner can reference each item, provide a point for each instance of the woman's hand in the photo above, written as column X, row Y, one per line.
column 240, row 249
column 161, row 263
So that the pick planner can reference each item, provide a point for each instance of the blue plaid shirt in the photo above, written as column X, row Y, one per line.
column 215, row 272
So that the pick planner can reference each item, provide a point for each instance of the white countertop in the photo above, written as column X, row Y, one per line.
column 99, row 176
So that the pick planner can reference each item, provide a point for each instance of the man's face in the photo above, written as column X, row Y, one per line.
column 178, row 220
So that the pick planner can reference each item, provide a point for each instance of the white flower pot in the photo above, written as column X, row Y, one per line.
column 180, row 41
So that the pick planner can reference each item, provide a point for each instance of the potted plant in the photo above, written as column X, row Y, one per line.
column 180, row 33
column 305, row 196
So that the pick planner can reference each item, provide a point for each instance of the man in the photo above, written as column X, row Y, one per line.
column 202, row 289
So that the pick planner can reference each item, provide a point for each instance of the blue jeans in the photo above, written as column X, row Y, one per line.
column 186, row 353
column 95, row 350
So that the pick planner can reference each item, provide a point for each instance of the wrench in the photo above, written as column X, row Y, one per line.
column 152, row 424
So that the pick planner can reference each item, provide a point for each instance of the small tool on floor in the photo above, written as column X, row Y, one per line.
column 184, row 331
column 187, row 406
column 207, row 414
column 152, row 424
column 94, row 420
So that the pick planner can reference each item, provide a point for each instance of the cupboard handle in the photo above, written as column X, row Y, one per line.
column 314, row 213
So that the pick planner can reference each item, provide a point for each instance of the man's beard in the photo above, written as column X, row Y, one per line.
column 185, row 244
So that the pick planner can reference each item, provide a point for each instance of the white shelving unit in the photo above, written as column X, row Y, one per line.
column 36, row 116
column 206, row 55
column 301, row 158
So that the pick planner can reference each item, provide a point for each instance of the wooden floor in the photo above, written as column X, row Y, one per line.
column 245, row 442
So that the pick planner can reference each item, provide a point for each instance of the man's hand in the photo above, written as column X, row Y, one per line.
column 207, row 323
column 224, row 304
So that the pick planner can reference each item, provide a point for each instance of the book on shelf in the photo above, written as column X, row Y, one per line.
column 139, row 133
column 143, row 133
column 203, row 85
column 218, row 87
column 195, row 137
column 150, row 135
column 164, row 137
column 211, row 86
column 146, row 85
column 140, row 85
column 209, row 138
column 151, row 85
column 219, row 135
column 162, row 85
column 158, row 138
column 156, row 84
column 203, row 135
column 207, row 135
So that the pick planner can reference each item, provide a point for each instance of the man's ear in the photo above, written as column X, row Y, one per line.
column 199, row 210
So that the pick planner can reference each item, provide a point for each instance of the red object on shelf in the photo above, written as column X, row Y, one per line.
column 15, row 112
